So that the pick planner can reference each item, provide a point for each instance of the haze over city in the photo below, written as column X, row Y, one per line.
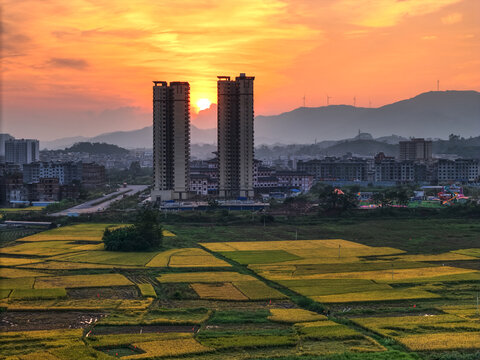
column 83, row 68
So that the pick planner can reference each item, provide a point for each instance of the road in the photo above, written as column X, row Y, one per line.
column 101, row 203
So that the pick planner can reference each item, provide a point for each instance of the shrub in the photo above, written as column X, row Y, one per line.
column 145, row 234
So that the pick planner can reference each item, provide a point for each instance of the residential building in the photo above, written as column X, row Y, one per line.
column 461, row 170
column 235, row 136
column 12, row 189
column 294, row 179
column 394, row 171
column 93, row 175
column 3, row 139
column 334, row 169
column 47, row 189
column 66, row 173
column 22, row 151
column 416, row 149
column 171, row 140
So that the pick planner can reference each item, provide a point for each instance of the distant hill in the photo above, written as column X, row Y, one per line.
column 466, row 148
column 362, row 148
column 97, row 148
column 434, row 114
column 141, row 138
column 359, row 146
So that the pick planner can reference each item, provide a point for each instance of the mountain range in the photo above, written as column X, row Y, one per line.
column 435, row 114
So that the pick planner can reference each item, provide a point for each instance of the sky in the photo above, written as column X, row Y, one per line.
column 84, row 67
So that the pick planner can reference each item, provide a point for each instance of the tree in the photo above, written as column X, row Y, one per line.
column 297, row 204
column 145, row 234
column 335, row 199
column 212, row 204
column 402, row 196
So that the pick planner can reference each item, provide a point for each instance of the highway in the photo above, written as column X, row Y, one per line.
column 101, row 203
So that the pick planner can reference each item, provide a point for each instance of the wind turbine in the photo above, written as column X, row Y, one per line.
column 328, row 99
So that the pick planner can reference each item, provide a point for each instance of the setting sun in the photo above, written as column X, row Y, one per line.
column 203, row 104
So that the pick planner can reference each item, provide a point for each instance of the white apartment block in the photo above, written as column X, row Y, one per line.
column 464, row 170
column 22, row 151
column 171, row 140
column 235, row 136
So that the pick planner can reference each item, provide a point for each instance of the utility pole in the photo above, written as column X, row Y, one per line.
column 354, row 101
column 328, row 100
column 304, row 98
column 392, row 271
column 296, row 235
column 438, row 85
column 339, row 250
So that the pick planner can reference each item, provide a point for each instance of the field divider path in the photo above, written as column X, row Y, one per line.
column 387, row 342
column 307, row 304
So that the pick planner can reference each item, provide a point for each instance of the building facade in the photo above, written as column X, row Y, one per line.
column 93, row 175
column 332, row 169
column 416, row 150
column 171, row 140
column 22, row 151
column 461, row 170
column 66, row 173
column 235, row 136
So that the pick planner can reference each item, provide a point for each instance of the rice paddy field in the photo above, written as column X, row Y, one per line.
column 224, row 293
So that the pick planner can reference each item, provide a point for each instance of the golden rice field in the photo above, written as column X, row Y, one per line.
column 450, row 256
column 441, row 341
column 65, row 265
column 294, row 316
column 17, row 283
column 469, row 252
column 86, row 232
column 172, row 347
column 77, row 304
column 386, row 275
column 424, row 305
column 218, row 291
column 28, row 208
column 381, row 295
column 204, row 277
column 282, row 245
column 464, row 311
column 9, row 261
column 257, row 290
column 77, row 281
column 20, row 273
column 188, row 257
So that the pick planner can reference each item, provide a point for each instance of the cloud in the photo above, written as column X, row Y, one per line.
column 77, row 64
column 206, row 119
column 384, row 13
column 291, row 46
column 451, row 19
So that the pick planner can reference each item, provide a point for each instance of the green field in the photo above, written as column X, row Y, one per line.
column 398, row 289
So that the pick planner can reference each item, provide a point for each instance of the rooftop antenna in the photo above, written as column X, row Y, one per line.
column 438, row 85
column 328, row 99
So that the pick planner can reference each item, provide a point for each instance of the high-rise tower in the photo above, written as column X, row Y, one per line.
column 235, row 136
column 171, row 140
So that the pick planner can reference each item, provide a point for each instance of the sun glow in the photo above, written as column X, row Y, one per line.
column 203, row 104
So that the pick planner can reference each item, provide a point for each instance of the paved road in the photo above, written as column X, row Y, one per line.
column 103, row 202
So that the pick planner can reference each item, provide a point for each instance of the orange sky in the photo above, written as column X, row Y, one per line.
column 82, row 67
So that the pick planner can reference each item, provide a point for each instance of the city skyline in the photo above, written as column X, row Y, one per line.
column 88, row 71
